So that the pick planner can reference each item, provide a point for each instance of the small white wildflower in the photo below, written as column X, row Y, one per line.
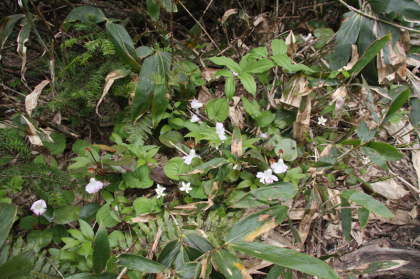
column 220, row 130
column 267, row 177
column 322, row 121
column 188, row 158
column 195, row 104
column 185, row 187
column 94, row 186
column 159, row 191
column 366, row 160
column 264, row 135
column 39, row 207
column 279, row 167
column 194, row 118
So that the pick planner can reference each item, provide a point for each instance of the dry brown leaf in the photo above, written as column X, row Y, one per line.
column 390, row 189
column 208, row 73
column 32, row 133
column 394, row 68
column 57, row 118
column 143, row 218
column 301, row 125
column 236, row 147
column 402, row 217
column 399, row 129
column 333, row 231
column 276, row 239
column 227, row 14
column 31, row 100
column 204, row 95
column 236, row 114
column 416, row 164
column 338, row 98
column 305, row 224
column 354, row 58
column 291, row 44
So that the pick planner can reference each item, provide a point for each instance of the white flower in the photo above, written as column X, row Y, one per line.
column 305, row 39
column 366, row 160
column 185, row 187
column 234, row 73
column 39, row 207
column 322, row 121
column 220, row 130
column 159, row 191
column 94, row 186
column 195, row 104
column 188, row 159
column 264, row 135
column 194, row 118
column 20, row 3
column 267, row 177
column 279, row 167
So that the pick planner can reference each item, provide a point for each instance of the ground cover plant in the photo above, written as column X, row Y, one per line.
column 213, row 139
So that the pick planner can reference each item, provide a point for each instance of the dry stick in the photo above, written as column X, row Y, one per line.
column 54, row 267
column 122, row 273
column 208, row 35
column 376, row 18
column 405, row 182
column 179, row 149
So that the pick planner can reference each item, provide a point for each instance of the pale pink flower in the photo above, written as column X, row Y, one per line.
column 220, row 130
column 195, row 118
column 195, row 104
column 279, row 167
column 94, row 186
column 267, row 177
column 188, row 158
column 39, row 207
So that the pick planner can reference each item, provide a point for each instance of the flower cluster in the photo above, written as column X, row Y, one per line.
column 159, row 191
column 267, row 177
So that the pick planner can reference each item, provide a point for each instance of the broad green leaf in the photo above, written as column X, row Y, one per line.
column 66, row 214
column 172, row 136
column 58, row 232
column 19, row 266
column 141, row 264
column 347, row 35
column 6, row 27
column 269, row 194
column 189, row 270
column 153, row 9
column 101, row 250
column 140, row 178
column 415, row 112
column 144, row 51
column 287, row 258
column 84, row 14
column 409, row 9
column 223, row 73
column 300, row 67
column 364, row 133
column 282, row 60
column 346, row 218
column 8, row 213
column 375, row 157
column 95, row 276
column 370, row 53
column 278, row 47
column 88, row 212
column 86, row 229
column 160, row 103
column 169, row 253
column 174, row 168
column 260, row 66
column 248, row 82
column 389, row 152
column 363, row 217
column 58, row 145
column 218, row 109
column 230, row 88
column 260, row 51
column 40, row 238
column 257, row 224
column 212, row 164
column 379, row 6
column 253, row 109
column 79, row 147
column 367, row 202
column 144, row 205
column 228, row 62
column 397, row 104
column 322, row 35
column 156, row 66
column 85, row 248
column 107, row 216
column 123, row 44
column 230, row 265
column 265, row 118
column 195, row 240
column 288, row 148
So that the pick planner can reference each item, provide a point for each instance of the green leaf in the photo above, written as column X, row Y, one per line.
column 397, row 104
column 141, row 264
column 375, row 157
column 6, row 26
column 389, row 152
column 169, row 253
column 96, row 276
column 415, row 112
column 260, row 66
column 172, row 136
column 88, row 212
column 245, row 184
column 370, row 53
column 40, row 238
column 287, row 258
column 153, row 10
column 230, row 88
column 189, row 270
column 257, row 224
column 289, row 148
column 278, row 47
column 223, row 73
column 144, row 51
column 363, row 217
column 140, row 178
column 265, row 118
column 379, row 6
column 364, row 133
column 84, row 14
column 58, row 145
column 8, row 213
column 174, row 168
column 347, row 35
column 253, row 109
column 155, row 65
column 260, row 51
column 228, row 62
column 269, row 194
column 123, row 44
column 145, row 205
column 346, row 218
column 159, row 104
column 107, row 216
column 230, row 265
column 59, row 231
column 86, row 229
column 248, row 82
column 409, row 9
column 66, row 214
column 101, row 251
column 282, row 60
column 19, row 266
column 367, row 202
column 218, row 109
